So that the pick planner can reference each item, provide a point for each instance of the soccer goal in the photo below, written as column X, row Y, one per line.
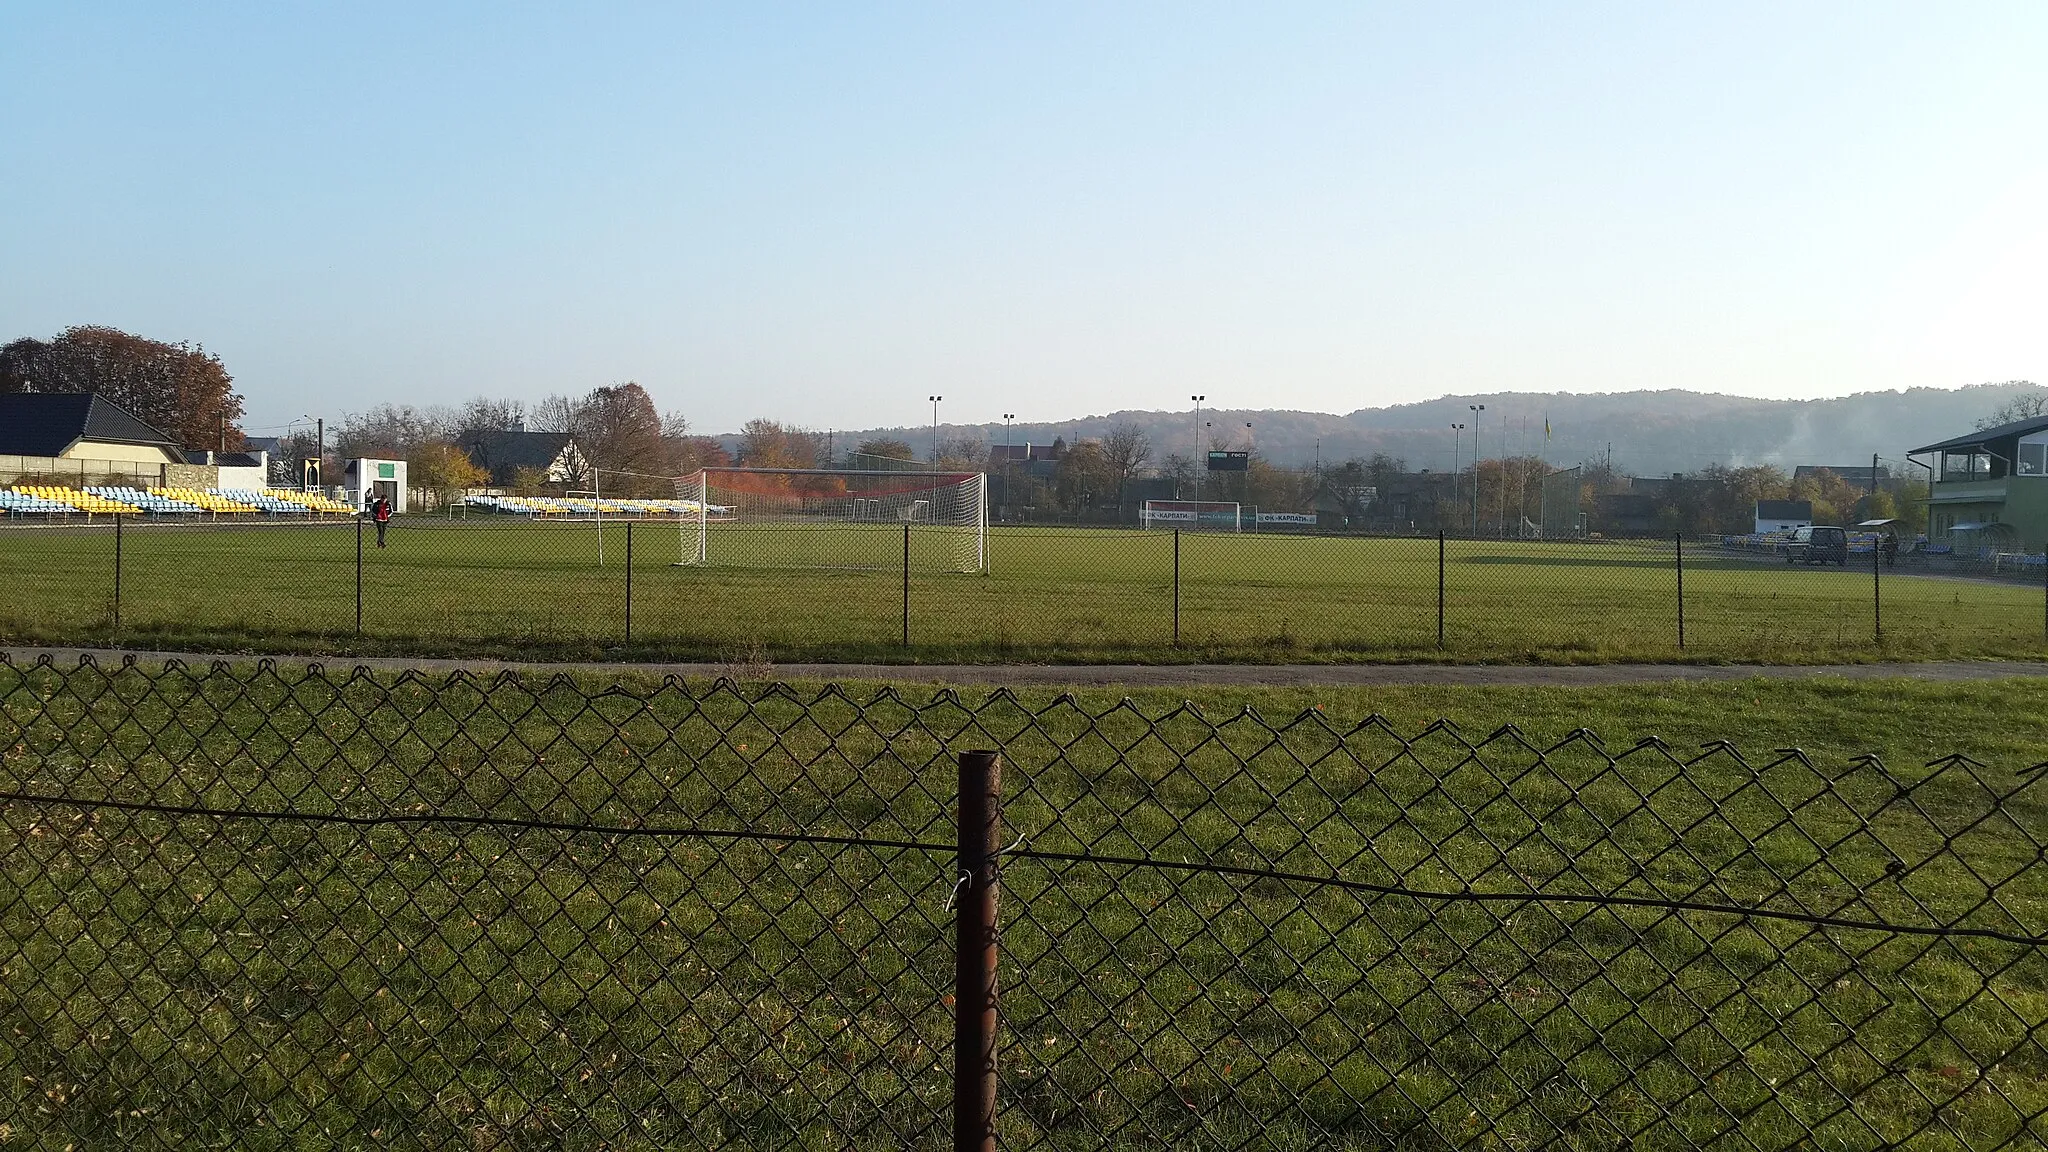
column 829, row 518
column 1191, row 515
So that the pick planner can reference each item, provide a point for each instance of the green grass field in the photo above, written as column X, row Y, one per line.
column 537, row 590
column 178, row 982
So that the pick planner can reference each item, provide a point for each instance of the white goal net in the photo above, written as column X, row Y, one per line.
column 827, row 518
column 1191, row 515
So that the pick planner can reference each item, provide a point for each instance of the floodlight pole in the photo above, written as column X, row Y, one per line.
column 1477, row 425
column 935, row 431
column 1007, row 417
column 1457, row 441
column 1198, row 430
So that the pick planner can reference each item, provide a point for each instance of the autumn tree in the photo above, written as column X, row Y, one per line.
column 445, row 470
column 619, row 430
column 616, row 429
column 182, row 390
column 773, row 444
column 882, row 448
column 688, row 454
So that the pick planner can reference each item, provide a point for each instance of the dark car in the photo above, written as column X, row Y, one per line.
column 1818, row 544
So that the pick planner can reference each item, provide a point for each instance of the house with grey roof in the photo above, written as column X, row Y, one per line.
column 1989, row 488
column 504, row 454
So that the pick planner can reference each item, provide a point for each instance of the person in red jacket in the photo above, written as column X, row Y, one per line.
column 380, row 511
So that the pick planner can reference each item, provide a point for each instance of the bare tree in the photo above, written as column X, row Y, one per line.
column 394, row 431
column 2024, row 406
column 485, row 414
column 1082, row 482
column 1124, row 451
column 557, row 413
column 963, row 453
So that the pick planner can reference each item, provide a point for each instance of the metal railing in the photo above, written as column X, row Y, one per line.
column 240, row 908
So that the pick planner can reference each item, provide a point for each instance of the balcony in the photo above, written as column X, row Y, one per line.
column 1968, row 491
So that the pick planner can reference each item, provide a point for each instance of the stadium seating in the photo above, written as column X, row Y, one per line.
column 148, row 502
column 564, row 506
column 48, row 499
column 263, row 501
column 209, row 501
column 311, row 501
column 25, row 502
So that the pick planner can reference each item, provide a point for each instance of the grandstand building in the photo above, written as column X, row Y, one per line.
column 83, row 435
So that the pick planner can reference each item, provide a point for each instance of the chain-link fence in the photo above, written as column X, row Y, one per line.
column 240, row 908
column 859, row 591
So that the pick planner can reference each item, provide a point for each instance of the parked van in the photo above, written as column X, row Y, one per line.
column 1818, row 544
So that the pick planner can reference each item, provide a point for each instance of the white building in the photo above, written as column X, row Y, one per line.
column 1783, row 515
column 365, row 480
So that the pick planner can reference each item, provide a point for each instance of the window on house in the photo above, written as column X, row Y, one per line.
column 2033, row 459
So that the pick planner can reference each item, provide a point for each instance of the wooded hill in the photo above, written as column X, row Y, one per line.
column 1648, row 433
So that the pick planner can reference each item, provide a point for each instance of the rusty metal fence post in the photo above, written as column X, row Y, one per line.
column 1439, row 589
column 1176, row 587
column 359, row 574
column 1678, row 552
column 629, row 581
column 906, row 583
column 117, row 571
column 974, row 981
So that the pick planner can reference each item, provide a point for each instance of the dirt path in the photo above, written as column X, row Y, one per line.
column 1134, row 675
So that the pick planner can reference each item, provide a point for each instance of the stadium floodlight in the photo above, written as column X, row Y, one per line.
column 834, row 518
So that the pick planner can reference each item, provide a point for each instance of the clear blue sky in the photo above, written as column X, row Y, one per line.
column 825, row 214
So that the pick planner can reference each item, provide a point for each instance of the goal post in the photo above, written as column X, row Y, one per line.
column 834, row 518
column 1191, row 515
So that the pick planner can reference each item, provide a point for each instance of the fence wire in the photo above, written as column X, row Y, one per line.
column 493, row 585
column 240, row 908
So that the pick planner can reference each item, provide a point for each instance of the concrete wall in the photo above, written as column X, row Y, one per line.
column 95, row 450
column 253, row 478
column 77, row 472
column 191, row 476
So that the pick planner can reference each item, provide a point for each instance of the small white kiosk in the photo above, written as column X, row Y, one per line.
column 366, row 480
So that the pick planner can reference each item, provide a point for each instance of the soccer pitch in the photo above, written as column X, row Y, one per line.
column 838, row 593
